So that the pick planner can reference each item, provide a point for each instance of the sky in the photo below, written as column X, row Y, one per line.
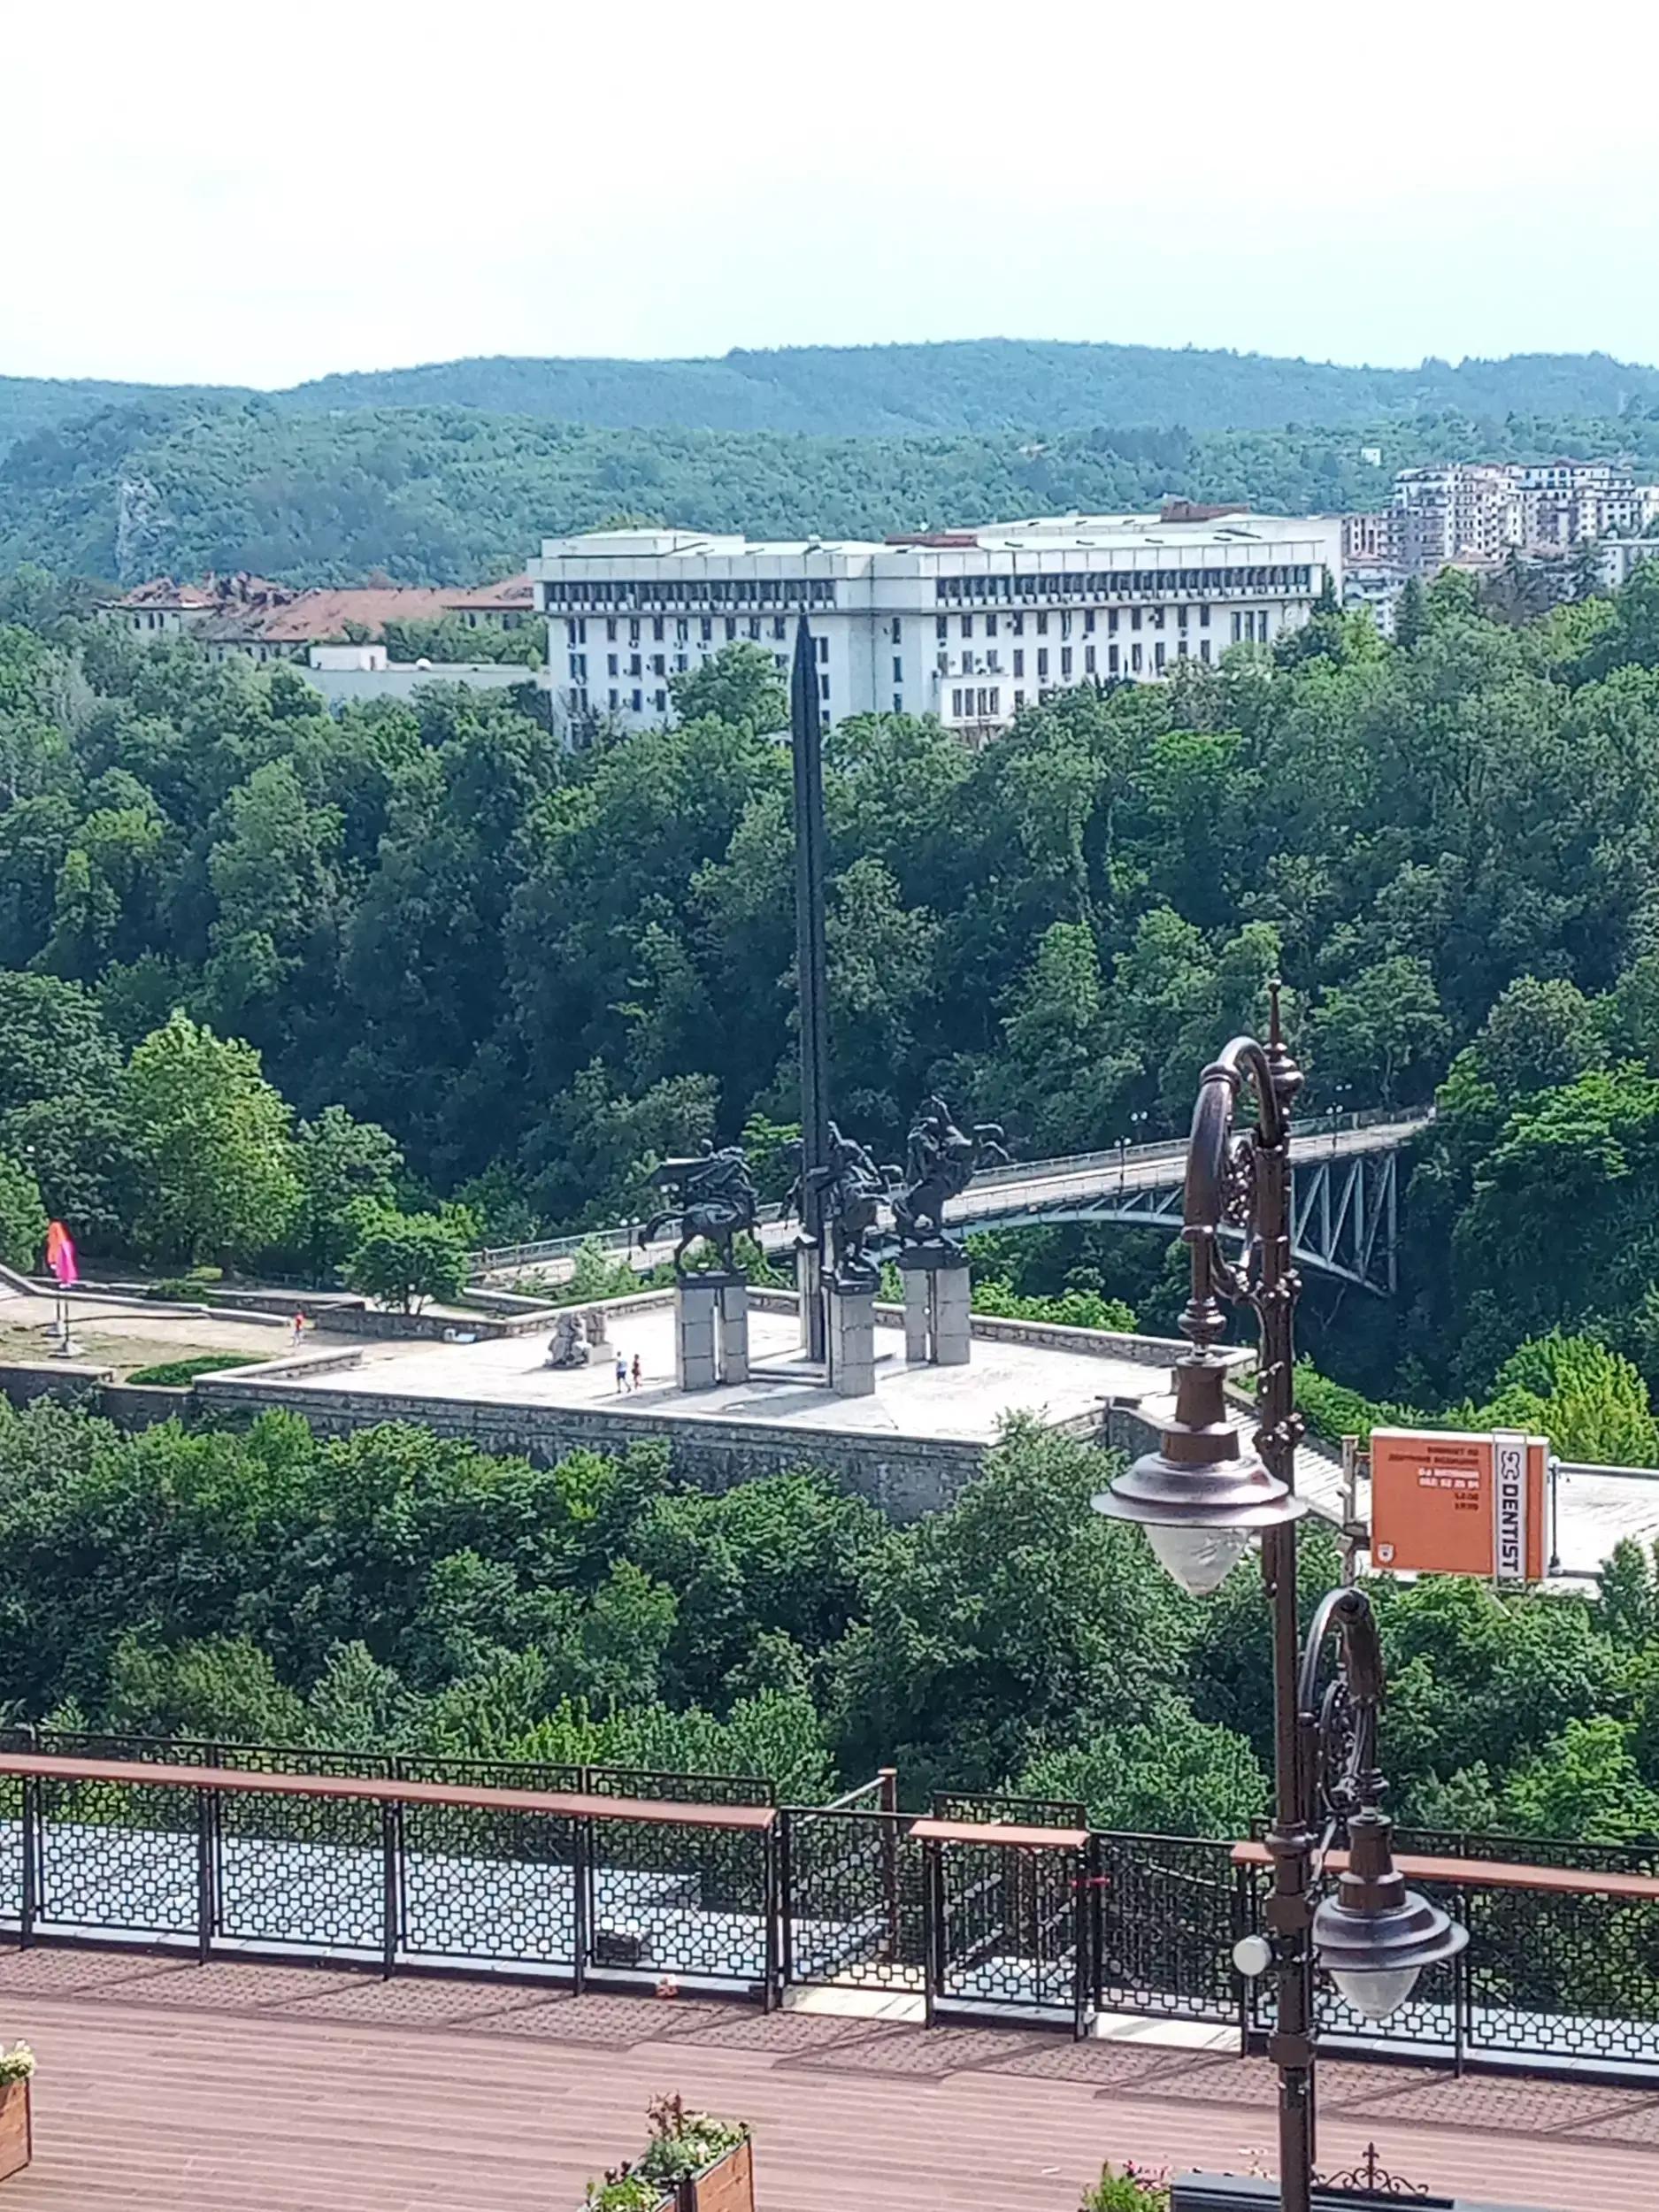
column 257, row 195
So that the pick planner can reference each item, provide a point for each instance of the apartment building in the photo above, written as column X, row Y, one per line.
column 967, row 625
column 1472, row 514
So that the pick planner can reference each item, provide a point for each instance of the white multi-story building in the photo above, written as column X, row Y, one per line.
column 967, row 625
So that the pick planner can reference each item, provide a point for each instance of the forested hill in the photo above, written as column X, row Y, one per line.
column 975, row 385
column 178, row 484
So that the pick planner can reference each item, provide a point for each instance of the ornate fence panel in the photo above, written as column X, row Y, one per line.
column 475, row 1884
column 683, row 1789
column 113, row 1858
column 852, row 1904
column 687, row 1900
column 1167, row 1911
column 1562, row 1975
column 1008, row 1918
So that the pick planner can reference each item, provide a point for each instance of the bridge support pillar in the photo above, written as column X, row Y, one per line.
column 710, row 1331
column 937, row 1305
column 850, row 1314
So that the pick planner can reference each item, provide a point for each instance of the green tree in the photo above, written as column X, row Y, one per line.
column 342, row 1164
column 215, row 1175
column 22, row 1215
column 405, row 1259
column 738, row 686
column 1169, row 1774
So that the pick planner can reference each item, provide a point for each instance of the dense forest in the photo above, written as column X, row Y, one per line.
column 986, row 384
column 391, row 1591
column 420, row 952
column 178, row 484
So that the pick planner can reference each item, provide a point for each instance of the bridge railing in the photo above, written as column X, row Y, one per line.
column 1115, row 1158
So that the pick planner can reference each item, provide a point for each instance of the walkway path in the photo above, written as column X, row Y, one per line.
column 242, row 2088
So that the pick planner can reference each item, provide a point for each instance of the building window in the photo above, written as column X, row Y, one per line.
column 898, row 703
column 1019, row 700
column 1134, row 617
column 967, row 626
column 1111, row 660
column 1157, row 617
column 1042, row 626
column 1088, row 621
column 822, row 644
column 1181, row 614
column 955, row 706
column 633, row 664
column 1016, row 623
column 754, row 626
column 1203, row 620
column 942, row 626
column 577, row 628
column 1134, row 659
column 1237, row 626
column 1088, row 660
column 1043, row 660
column 779, row 628
column 992, row 664
column 1019, row 660
column 1157, row 657
column 898, row 670
column 1065, row 660
column 898, row 631
column 1111, row 622
column 615, row 701
column 990, row 625
column 683, row 629
column 578, row 668
column 680, row 664
column 1203, row 649
column 639, row 701
column 706, row 629
column 943, row 662
column 823, row 684
column 1066, row 625
column 634, row 632
column 611, row 664
column 610, row 634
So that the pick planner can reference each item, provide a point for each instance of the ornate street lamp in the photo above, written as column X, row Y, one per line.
column 1201, row 1498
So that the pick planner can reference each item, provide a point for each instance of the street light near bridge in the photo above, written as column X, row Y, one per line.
column 1202, row 1497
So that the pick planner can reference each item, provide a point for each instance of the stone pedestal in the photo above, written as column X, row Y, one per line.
column 850, row 1326
column 938, row 1306
column 710, row 1331
column 809, row 1289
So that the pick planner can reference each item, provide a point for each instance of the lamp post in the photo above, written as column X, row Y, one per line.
column 1201, row 1498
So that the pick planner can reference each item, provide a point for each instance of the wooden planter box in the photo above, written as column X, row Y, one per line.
column 728, row 2185
column 17, row 2142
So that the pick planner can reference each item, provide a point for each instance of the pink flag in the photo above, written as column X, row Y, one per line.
column 60, row 1255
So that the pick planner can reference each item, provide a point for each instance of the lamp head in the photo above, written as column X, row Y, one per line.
column 1204, row 1493
column 1375, row 1936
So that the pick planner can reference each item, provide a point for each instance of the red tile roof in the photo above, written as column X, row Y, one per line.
column 512, row 595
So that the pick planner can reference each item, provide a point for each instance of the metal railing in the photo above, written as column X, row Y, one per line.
column 995, row 1907
column 621, row 1237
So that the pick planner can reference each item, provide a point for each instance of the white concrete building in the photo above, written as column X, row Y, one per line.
column 349, row 675
column 967, row 625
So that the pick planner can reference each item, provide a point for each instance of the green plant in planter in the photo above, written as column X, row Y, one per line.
column 1136, row 2189
column 623, row 2192
column 683, row 2143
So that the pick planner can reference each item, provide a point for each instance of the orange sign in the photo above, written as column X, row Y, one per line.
column 1452, row 1502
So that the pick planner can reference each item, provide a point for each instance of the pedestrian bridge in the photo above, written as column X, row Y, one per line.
column 1345, row 1187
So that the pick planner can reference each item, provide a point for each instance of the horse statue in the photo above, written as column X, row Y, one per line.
column 940, row 1161
column 715, row 1200
column 851, row 1189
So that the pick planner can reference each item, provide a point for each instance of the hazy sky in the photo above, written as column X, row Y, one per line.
column 258, row 195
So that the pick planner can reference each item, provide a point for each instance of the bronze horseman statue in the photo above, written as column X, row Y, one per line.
column 716, row 1201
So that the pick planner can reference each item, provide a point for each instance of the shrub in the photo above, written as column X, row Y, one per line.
column 175, row 1372
column 1136, row 2189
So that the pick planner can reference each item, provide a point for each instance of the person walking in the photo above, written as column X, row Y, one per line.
column 298, row 1335
column 636, row 1374
column 622, row 1374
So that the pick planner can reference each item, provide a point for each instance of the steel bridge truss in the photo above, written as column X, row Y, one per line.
column 1344, row 1216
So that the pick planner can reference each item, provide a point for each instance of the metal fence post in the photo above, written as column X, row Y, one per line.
column 771, row 1850
column 31, row 1869
column 391, row 1839
column 785, row 1896
column 932, row 1928
column 889, row 1778
column 204, row 1876
column 1462, row 1989
column 1082, row 1922
column 581, row 1853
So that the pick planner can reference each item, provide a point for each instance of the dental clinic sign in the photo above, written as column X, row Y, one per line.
column 1456, row 1502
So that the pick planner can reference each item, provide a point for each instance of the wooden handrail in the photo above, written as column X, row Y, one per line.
column 1562, row 1881
column 557, row 1804
column 1000, row 1831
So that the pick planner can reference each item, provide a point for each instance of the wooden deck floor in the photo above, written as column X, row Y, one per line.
column 242, row 2088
